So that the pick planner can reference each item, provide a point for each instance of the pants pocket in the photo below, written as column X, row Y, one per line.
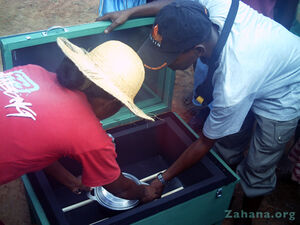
column 284, row 131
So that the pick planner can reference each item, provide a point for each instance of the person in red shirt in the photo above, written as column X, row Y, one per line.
column 47, row 116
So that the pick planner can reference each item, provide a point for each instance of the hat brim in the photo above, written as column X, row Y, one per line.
column 153, row 57
column 90, row 69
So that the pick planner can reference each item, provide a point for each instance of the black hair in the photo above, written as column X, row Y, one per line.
column 69, row 76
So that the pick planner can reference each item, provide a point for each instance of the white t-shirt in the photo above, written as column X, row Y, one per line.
column 259, row 70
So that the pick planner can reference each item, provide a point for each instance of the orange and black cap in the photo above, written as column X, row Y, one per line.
column 178, row 27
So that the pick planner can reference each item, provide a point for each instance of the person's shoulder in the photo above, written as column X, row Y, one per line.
column 29, row 68
column 34, row 67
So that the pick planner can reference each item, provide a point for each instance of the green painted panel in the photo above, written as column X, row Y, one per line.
column 205, row 209
column 35, row 206
column 13, row 42
column 225, row 165
column 50, row 35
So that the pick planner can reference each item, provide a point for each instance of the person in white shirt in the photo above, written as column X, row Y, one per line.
column 258, row 75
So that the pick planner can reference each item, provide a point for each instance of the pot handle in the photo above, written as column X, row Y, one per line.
column 91, row 194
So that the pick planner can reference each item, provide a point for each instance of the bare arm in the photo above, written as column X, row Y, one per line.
column 186, row 160
column 62, row 175
column 120, row 17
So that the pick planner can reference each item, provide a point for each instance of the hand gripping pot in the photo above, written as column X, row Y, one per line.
column 108, row 200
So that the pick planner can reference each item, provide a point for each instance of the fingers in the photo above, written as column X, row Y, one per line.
column 79, row 187
column 110, row 28
column 77, row 191
column 84, row 188
column 109, row 17
column 103, row 18
column 151, row 193
column 157, row 184
column 117, row 18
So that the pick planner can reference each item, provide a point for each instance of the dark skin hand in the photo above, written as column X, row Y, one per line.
column 119, row 17
column 186, row 160
column 128, row 189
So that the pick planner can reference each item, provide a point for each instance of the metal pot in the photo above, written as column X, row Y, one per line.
column 108, row 200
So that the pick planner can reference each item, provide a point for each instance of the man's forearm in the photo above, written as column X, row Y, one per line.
column 57, row 171
column 149, row 9
column 189, row 157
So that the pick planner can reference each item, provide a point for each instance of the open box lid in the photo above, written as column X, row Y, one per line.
column 40, row 48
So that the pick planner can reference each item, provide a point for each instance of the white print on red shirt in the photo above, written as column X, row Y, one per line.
column 12, row 84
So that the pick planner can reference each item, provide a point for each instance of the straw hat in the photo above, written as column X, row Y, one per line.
column 113, row 66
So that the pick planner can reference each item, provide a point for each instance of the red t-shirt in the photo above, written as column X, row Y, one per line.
column 40, row 122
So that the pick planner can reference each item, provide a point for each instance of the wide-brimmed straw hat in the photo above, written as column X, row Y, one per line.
column 113, row 66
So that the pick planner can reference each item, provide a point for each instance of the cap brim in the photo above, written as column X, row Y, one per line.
column 153, row 57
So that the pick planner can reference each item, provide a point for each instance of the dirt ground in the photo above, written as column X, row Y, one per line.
column 18, row 16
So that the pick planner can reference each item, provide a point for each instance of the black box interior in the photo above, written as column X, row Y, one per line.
column 143, row 148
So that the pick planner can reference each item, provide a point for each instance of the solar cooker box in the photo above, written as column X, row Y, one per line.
column 198, row 196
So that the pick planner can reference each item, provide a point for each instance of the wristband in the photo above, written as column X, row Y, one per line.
column 161, row 179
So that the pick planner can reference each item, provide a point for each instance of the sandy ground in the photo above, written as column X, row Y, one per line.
column 20, row 16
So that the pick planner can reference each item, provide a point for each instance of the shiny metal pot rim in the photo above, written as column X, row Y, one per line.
column 110, row 201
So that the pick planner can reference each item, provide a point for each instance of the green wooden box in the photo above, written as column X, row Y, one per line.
column 207, row 187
